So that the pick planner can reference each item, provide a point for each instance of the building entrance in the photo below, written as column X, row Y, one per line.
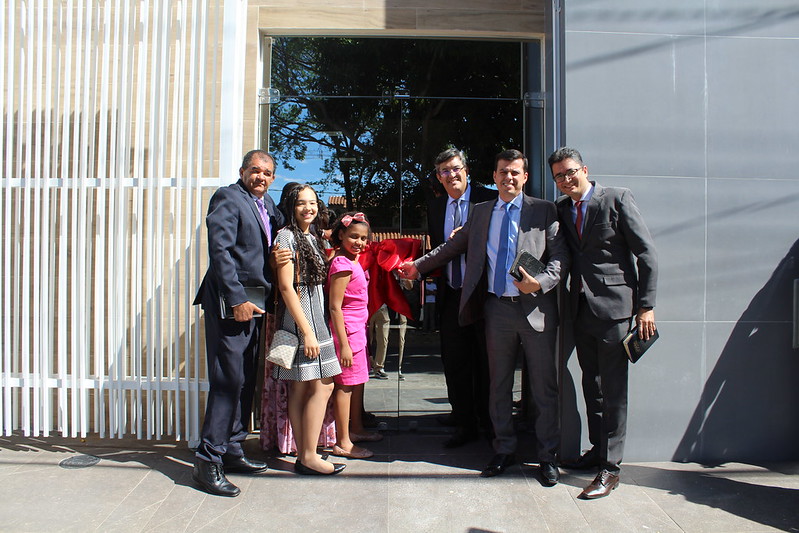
column 362, row 119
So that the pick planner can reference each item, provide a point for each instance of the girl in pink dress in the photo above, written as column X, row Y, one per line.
column 347, row 302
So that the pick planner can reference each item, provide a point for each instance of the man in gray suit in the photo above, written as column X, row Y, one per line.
column 604, row 230
column 515, row 312
column 242, row 222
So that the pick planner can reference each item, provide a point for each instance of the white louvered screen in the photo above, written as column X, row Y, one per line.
column 111, row 142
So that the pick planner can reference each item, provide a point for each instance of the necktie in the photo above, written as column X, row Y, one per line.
column 500, row 269
column 265, row 218
column 457, row 275
column 579, row 225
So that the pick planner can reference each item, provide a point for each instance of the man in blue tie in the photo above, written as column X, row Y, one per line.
column 463, row 349
column 515, row 312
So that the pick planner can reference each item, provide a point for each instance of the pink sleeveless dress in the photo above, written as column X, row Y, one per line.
column 356, row 316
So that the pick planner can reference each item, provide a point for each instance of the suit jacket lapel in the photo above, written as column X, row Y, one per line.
column 590, row 214
column 250, row 201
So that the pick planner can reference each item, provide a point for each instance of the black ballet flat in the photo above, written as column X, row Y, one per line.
column 303, row 470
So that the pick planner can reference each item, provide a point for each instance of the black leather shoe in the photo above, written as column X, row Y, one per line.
column 242, row 465
column 549, row 474
column 461, row 437
column 301, row 469
column 601, row 486
column 589, row 459
column 498, row 464
column 211, row 478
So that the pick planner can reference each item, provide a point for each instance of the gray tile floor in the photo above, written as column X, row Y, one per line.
column 412, row 484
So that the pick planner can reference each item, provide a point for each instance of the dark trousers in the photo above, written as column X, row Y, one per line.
column 463, row 355
column 506, row 328
column 604, row 365
column 232, row 353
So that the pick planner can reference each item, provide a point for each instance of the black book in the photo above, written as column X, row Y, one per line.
column 528, row 262
column 635, row 347
column 256, row 295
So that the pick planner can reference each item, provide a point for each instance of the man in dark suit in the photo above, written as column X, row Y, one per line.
column 604, row 231
column 463, row 351
column 242, row 222
column 515, row 312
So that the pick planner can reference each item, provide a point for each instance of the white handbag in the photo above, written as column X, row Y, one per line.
column 283, row 348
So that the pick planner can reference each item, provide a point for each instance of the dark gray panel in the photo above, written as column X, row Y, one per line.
column 684, row 17
column 665, row 387
column 674, row 211
column 750, row 402
column 753, row 229
column 635, row 104
column 752, row 108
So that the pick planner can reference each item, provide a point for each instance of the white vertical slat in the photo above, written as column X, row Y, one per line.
column 64, row 404
column 26, row 107
column 6, row 152
column 101, row 310
column 177, row 200
column 45, row 303
column 193, row 230
column 38, row 319
column 120, row 293
column 136, row 260
column 115, row 177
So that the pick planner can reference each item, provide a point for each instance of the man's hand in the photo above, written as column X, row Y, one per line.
column 243, row 312
column 279, row 257
column 456, row 230
column 528, row 284
column 408, row 270
column 645, row 320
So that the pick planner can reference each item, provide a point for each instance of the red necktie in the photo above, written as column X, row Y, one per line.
column 579, row 221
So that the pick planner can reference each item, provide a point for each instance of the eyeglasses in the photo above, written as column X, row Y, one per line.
column 450, row 172
column 568, row 174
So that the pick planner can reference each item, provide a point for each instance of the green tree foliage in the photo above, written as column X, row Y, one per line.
column 383, row 109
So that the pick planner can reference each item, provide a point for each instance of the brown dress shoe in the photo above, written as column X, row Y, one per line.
column 601, row 486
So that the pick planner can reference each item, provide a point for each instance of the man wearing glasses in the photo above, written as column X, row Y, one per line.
column 604, row 230
column 462, row 348
column 516, row 312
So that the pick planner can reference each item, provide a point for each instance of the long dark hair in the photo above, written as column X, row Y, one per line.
column 313, row 270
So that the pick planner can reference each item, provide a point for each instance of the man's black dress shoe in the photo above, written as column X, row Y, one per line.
column 461, row 437
column 242, row 465
column 601, row 486
column 211, row 478
column 301, row 469
column 589, row 459
column 498, row 464
column 549, row 474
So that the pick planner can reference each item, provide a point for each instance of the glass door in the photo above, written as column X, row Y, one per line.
column 362, row 119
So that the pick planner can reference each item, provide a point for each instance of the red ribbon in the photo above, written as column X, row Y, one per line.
column 380, row 259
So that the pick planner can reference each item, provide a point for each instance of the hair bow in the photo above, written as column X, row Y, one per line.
column 346, row 220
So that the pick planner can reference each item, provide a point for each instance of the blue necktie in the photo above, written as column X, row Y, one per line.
column 500, row 269
column 457, row 275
